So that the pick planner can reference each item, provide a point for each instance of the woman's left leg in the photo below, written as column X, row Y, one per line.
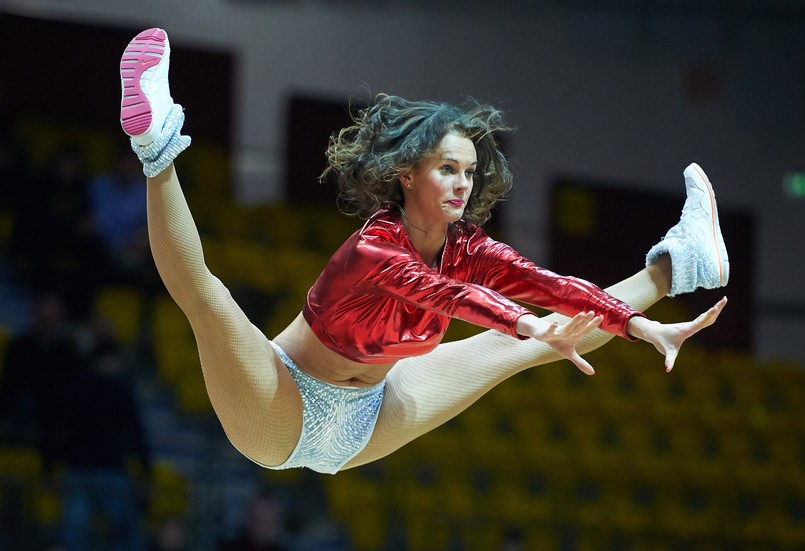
column 424, row 392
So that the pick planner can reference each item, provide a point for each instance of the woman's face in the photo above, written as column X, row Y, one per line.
column 436, row 191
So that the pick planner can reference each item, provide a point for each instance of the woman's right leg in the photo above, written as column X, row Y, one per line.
column 252, row 392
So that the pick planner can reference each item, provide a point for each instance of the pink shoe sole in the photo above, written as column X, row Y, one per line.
column 143, row 53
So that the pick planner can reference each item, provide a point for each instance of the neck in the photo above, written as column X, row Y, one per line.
column 428, row 242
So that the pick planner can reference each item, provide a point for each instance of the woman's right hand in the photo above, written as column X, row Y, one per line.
column 668, row 338
column 562, row 338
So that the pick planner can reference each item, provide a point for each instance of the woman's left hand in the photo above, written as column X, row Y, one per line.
column 668, row 337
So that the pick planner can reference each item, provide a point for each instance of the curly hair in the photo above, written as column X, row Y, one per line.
column 392, row 136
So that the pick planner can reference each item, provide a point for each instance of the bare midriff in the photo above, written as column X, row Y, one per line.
column 311, row 356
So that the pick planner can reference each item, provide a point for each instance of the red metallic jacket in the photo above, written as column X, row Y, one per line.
column 376, row 300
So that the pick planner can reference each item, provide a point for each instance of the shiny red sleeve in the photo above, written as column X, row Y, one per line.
column 392, row 270
column 499, row 267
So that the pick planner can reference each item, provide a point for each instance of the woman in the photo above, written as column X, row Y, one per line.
column 360, row 372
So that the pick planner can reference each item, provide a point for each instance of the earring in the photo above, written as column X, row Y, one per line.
column 408, row 186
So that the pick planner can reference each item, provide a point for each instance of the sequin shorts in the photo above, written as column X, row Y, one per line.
column 337, row 421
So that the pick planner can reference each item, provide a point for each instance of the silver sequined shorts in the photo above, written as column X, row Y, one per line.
column 337, row 421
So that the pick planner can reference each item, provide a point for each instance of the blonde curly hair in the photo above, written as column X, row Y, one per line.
column 392, row 136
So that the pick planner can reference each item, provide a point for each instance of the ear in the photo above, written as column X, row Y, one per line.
column 406, row 179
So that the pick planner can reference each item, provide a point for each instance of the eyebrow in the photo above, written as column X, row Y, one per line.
column 446, row 157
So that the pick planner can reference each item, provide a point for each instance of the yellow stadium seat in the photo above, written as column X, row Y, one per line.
column 427, row 532
column 48, row 506
column 687, row 511
column 360, row 502
column 787, row 528
column 252, row 264
column 20, row 462
column 207, row 180
column 21, row 488
column 541, row 536
column 631, row 506
column 537, row 494
column 752, row 515
column 174, row 345
column 192, row 393
column 169, row 493
column 648, row 450
column 482, row 535
column 123, row 308
column 617, row 392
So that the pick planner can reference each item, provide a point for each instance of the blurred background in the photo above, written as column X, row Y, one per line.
column 106, row 432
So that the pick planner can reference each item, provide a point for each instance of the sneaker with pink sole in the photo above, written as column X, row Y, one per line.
column 147, row 111
column 146, row 98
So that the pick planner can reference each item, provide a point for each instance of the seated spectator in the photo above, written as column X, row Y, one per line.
column 263, row 528
column 93, row 430
column 54, row 240
column 36, row 361
column 118, row 205
column 170, row 535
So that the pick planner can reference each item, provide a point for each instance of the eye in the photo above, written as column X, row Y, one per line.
column 471, row 173
column 446, row 169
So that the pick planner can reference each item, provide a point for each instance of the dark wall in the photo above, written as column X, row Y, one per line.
column 69, row 73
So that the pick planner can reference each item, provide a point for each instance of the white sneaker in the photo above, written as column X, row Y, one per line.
column 146, row 99
column 695, row 244
column 701, row 214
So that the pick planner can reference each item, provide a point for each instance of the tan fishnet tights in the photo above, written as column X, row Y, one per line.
column 254, row 396
column 427, row 391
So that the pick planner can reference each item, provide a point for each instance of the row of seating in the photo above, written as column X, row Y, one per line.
column 559, row 467
column 708, row 457
column 632, row 451
column 38, row 503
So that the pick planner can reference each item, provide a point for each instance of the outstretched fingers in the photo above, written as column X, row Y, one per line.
column 684, row 331
column 581, row 363
column 705, row 319
column 581, row 324
column 568, row 336
column 709, row 317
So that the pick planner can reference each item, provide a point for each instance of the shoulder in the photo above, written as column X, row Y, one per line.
column 472, row 246
column 467, row 229
column 383, row 229
column 384, row 223
column 470, row 237
column 381, row 238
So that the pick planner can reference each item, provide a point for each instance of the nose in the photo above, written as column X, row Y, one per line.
column 463, row 181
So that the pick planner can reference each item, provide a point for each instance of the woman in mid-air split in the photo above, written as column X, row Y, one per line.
column 360, row 372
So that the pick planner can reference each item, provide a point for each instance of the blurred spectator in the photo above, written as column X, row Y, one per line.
column 13, row 168
column 118, row 200
column 263, row 528
column 170, row 535
column 93, row 430
column 14, row 175
column 54, row 240
column 322, row 534
column 513, row 540
column 36, row 362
